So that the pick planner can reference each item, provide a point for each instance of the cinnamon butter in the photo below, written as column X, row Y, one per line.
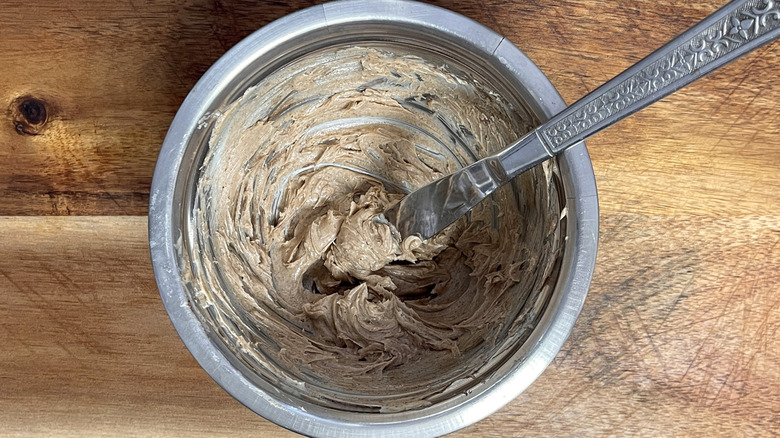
column 295, row 268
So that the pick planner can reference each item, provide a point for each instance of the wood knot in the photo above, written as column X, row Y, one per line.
column 29, row 115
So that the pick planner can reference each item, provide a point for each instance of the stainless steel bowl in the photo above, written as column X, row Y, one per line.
column 412, row 24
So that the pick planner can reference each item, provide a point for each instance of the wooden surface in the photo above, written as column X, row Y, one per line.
column 680, row 331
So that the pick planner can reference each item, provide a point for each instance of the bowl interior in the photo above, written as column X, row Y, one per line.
column 551, row 186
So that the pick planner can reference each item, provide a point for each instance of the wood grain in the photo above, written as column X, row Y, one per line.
column 679, row 334
column 112, row 75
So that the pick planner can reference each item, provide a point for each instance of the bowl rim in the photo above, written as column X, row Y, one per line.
column 577, row 264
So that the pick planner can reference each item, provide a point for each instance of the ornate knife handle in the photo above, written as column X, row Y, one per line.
column 733, row 30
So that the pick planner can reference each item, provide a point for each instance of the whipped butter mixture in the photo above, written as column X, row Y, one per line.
column 293, row 266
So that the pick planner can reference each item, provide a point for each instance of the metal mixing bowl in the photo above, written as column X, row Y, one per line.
column 404, row 23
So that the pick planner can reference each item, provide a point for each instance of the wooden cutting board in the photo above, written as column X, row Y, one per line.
column 679, row 334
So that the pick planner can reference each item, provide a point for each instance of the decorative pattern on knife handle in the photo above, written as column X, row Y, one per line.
column 678, row 66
